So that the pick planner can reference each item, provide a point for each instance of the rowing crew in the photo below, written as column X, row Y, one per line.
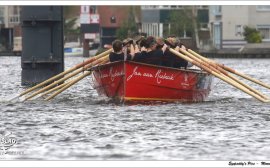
column 150, row 51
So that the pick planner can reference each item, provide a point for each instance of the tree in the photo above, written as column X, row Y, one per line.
column 70, row 11
column 69, row 28
column 129, row 26
column 181, row 24
column 71, row 32
column 252, row 35
column 184, row 23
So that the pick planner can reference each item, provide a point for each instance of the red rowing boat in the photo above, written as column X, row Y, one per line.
column 137, row 82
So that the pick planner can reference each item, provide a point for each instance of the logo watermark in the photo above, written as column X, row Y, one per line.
column 7, row 141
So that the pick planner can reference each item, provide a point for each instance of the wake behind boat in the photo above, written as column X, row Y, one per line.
column 137, row 82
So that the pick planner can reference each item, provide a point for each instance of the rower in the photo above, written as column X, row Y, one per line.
column 149, row 53
column 172, row 60
column 118, row 54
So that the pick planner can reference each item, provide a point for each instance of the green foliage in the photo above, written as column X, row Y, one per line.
column 128, row 27
column 252, row 35
column 122, row 32
column 69, row 27
column 181, row 21
column 71, row 30
column 100, row 50
column 67, row 11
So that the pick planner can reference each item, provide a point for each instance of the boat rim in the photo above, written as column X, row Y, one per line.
column 151, row 65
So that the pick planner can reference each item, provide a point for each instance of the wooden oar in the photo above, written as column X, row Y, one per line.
column 214, row 66
column 220, row 76
column 63, row 73
column 75, row 80
column 65, row 78
column 233, row 71
column 69, row 84
column 52, row 90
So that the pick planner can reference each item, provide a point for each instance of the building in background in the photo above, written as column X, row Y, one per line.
column 112, row 18
column 10, row 31
column 107, row 20
column 227, row 24
column 220, row 27
column 156, row 22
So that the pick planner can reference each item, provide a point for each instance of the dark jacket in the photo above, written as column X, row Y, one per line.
column 152, row 57
column 172, row 60
column 118, row 57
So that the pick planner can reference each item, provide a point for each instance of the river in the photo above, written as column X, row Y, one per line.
column 80, row 125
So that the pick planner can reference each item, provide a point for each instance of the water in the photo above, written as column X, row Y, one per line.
column 80, row 125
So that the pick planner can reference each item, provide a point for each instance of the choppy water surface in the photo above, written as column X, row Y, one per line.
column 80, row 125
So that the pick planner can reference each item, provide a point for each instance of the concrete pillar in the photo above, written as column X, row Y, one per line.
column 42, row 43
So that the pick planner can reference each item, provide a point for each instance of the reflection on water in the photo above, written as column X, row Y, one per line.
column 80, row 125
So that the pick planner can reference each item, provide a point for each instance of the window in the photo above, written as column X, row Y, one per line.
column 93, row 9
column 263, row 8
column 150, row 7
column 265, row 31
column 16, row 10
column 204, row 7
column 84, row 9
column 239, row 30
column 2, row 11
column 166, row 6
column 113, row 19
column 203, row 26
column 2, row 15
column 216, row 10
column 151, row 29
column 14, row 19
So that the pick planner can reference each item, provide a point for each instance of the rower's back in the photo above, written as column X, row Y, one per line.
column 118, row 54
column 151, row 55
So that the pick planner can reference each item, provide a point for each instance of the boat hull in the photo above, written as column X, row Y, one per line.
column 133, row 82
